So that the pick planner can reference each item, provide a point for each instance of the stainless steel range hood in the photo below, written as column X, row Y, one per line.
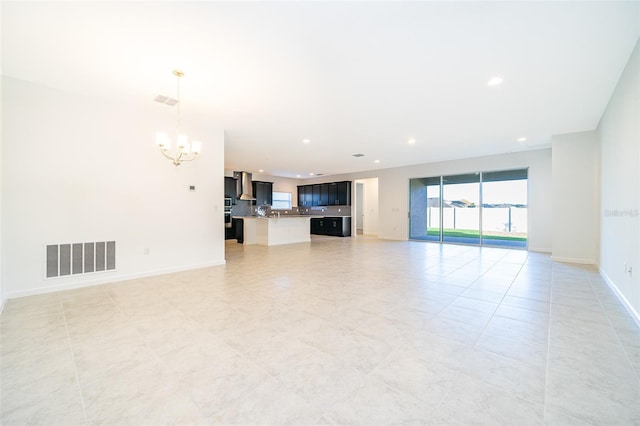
column 243, row 185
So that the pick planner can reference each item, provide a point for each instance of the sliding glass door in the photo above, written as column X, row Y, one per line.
column 504, row 208
column 483, row 208
column 461, row 209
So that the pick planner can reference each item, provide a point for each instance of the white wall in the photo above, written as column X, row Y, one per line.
column 619, row 132
column 359, row 201
column 81, row 169
column 393, row 192
column 575, row 162
column 370, row 206
column 3, row 298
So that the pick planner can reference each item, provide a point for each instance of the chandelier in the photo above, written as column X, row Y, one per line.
column 184, row 151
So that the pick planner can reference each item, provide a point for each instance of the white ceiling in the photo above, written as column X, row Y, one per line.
column 353, row 77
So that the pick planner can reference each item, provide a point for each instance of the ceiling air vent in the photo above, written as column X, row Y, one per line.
column 165, row 100
column 358, row 155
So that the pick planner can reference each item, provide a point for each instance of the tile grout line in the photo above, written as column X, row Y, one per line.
column 493, row 314
column 75, row 365
column 546, row 364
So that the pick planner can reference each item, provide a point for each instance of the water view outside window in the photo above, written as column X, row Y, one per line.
column 488, row 208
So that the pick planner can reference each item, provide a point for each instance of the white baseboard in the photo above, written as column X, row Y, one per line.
column 620, row 296
column 573, row 260
column 539, row 250
column 3, row 302
column 107, row 280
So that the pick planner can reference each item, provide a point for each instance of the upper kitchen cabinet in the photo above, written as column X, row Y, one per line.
column 230, row 189
column 316, row 195
column 325, row 194
column 332, row 193
column 263, row 193
column 344, row 194
column 305, row 196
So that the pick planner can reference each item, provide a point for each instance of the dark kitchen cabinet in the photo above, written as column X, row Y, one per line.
column 230, row 233
column 317, row 225
column 332, row 193
column 332, row 226
column 230, row 189
column 263, row 193
column 325, row 194
column 305, row 196
column 344, row 194
column 316, row 195
column 238, row 229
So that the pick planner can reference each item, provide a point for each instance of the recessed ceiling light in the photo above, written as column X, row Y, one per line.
column 306, row 141
column 522, row 139
column 310, row 174
column 260, row 171
column 495, row 81
column 411, row 141
column 298, row 176
column 376, row 161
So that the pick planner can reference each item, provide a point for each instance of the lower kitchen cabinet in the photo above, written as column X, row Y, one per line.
column 236, row 232
column 332, row 226
column 229, row 233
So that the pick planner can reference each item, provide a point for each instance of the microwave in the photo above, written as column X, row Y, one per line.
column 227, row 202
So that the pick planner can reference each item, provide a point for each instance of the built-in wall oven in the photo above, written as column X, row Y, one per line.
column 227, row 212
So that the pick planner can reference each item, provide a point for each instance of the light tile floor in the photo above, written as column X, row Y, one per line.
column 338, row 331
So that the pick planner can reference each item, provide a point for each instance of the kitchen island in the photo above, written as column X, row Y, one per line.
column 272, row 231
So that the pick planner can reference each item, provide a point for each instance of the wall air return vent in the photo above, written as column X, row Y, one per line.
column 79, row 258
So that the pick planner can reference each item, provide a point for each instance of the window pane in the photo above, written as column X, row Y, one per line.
column 281, row 200
column 461, row 209
column 504, row 213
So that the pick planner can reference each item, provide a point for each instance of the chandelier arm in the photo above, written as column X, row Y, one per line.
column 166, row 155
column 190, row 159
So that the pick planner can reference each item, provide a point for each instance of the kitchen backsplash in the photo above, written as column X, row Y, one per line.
column 244, row 208
column 324, row 210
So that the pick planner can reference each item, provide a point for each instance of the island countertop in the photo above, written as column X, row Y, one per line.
column 274, row 230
